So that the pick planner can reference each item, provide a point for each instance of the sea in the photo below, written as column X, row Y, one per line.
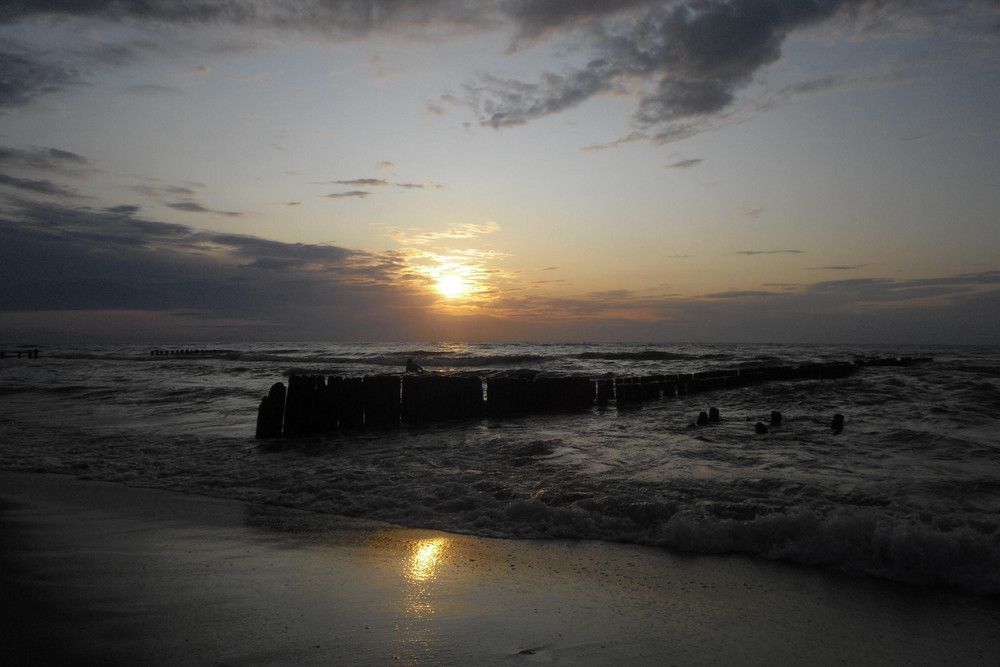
column 908, row 491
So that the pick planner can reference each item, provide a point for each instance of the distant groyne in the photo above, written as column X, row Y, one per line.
column 316, row 404
column 27, row 354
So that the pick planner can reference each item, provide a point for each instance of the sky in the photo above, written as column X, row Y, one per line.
column 788, row 171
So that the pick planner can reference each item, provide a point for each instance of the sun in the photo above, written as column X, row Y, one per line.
column 452, row 286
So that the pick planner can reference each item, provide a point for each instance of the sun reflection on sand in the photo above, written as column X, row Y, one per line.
column 424, row 559
column 420, row 573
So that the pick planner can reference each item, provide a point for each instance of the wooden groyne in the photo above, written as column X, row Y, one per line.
column 184, row 352
column 316, row 404
column 27, row 354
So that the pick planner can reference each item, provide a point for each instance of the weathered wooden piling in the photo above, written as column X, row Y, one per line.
column 381, row 400
column 305, row 405
column 652, row 387
column 428, row 398
column 507, row 396
column 628, row 393
column 271, row 412
column 669, row 386
column 313, row 404
column 605, row 391
column 352, row 402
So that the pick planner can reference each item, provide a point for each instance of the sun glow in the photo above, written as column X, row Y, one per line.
column 452, row 286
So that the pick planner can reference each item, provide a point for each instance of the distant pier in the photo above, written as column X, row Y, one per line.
column 315, row 404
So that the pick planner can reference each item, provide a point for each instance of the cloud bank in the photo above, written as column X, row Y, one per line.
column 681, row 61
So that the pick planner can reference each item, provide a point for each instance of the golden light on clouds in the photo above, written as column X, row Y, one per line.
column 463, row 279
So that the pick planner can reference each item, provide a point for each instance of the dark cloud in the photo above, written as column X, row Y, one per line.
column 55, row 258
column 742, row 294
column 36, row 186
column 683, row 61
column 507, row 102
column 685, row 164
column 195, row 207
column 39, row 158
column 344, row 17
column 842, row 267
column 78, row 260
column 123, row 209
column 158, row 191
column 34, row 160
column 690, row 58
column 25, row 77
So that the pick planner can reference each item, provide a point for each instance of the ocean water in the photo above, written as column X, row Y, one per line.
column 908, row 491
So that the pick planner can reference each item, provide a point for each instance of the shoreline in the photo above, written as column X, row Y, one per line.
column 98, row 572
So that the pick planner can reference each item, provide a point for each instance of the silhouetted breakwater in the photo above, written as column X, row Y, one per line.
column 184, row 352
column 315, row 404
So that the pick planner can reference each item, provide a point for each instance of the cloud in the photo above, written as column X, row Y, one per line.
column 39, row 186
column 953, row 309
column 743, row 294
column 56, row 259
column 768, row 252
column 195, row 72
column 853, row 267
column 25, row 77
column 457, row 231
column 365, row 182
column 37, row 161
column 195, row 207
column 114, row 273
column 359, row 194
column 149, row 89
column 685, row 164
column 748, row 213
column 159, row 192
column 337, row 17
column 685, row 62
column 39, row 158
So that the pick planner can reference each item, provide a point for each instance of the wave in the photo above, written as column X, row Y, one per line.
column 641, row 355
column 859, row 541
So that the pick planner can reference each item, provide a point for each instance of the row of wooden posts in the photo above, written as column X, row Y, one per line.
column 181, row 351
column 28, row 354
column 314, row 404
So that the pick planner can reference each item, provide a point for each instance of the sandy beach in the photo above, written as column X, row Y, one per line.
column 97, row 573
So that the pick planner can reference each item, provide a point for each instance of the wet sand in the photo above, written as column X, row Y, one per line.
column 96, row 573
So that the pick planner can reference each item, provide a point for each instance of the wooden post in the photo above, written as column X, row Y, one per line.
column 381, row 399
column 352, row 405
column 271, row 412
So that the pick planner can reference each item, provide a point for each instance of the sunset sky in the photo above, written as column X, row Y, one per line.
column 698, row 170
